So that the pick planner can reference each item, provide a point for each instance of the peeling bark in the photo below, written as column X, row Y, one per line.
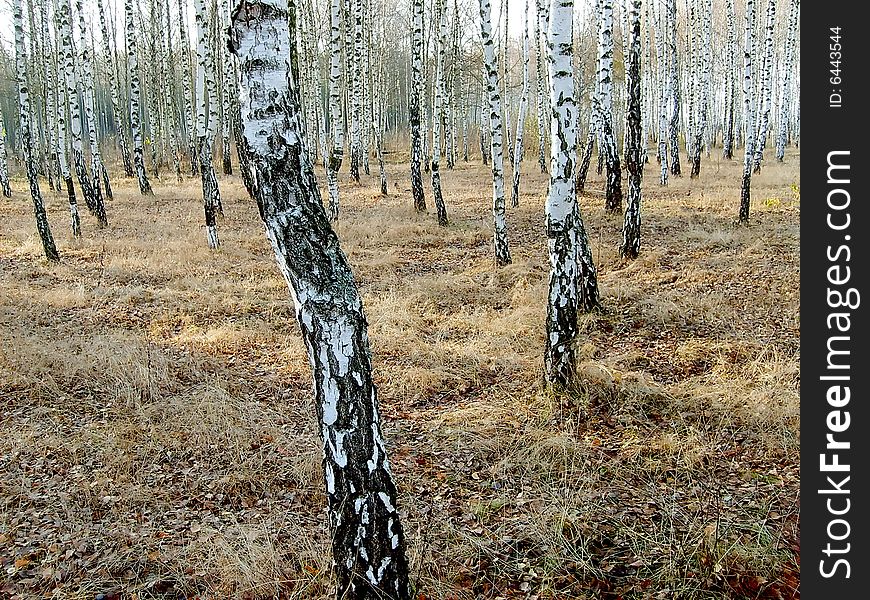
column 367, row 538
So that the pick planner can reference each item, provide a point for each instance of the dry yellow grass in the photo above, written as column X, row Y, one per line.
column 157, row 433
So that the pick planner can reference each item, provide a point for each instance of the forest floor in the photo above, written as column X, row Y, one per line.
column 158, row 439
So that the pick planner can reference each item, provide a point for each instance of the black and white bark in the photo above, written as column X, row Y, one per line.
column 86, row 70
column 187, row 86
column 499, row 223
column 730, row 84
column 367, row 538
column 766, row 87
column 664, row 97
column 167, row 77
column 206, row 120
column 541, row 82
column 523, row 111
column 415, row 105
column 67, row 52
column 356, row 76
column 438, row 110
column 630, row 247
column 786, row 74
column 613, row 185
column 111, row 65
column 26, row 136
column 4, row 167
column 748, row 111
column 572, row 285
column 135, row 100
column 336, row 119
column 673, row 85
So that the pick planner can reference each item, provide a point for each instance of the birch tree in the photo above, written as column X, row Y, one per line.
column 521, row 116
column 499, row 224
column 4, row 167
column 25, row 133
column 367, row 539
column 206, row 119
column 438, row 110
column 572, row 284
column 135, row 100
column 111, row 65
column 187, row 88
column 766, row 88
column 93, row 199
column 786, row 79
column 414, row 105
column 99, row 176
column 541, row 82
column 748, row 110
column 630, row 246
column 730, row 85
column 674, row 85
column 613, row 186
column 336, row 126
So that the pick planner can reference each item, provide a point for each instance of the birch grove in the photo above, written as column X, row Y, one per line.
column 277, row 109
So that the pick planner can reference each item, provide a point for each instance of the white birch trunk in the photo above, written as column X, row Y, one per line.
column 500, row 241
column 135, row 101
column 438, row 110
column 206, row 120
column 613, row 186
column 748, row 111
column 521, row 116
column 415, row 105
column 368, row 543
column 24, row 131
column 766, row 88
column 86, row 69
column 786, row 78
column 336, row 126
column 630, row 247
column 572, row 282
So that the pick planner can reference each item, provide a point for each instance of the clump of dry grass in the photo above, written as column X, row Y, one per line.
column 158, row 435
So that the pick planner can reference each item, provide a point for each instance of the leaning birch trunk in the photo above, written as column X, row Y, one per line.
column 572, row 282
column 86, row 67
column 415, row 102
column 521, row 116
column 114, row 89
column 674, row 85
column 630, row 247
column 367, row 540
column 500, row 241
column 206, row 105
column 438, row 110
column 788, row 66
column 730, row 87
column 4, row 168
column 42, row 226
column 541, row 80
column 748, row 111
column 766, row 92
column 135, row 101
column 93, row 200
column 336, row 118
column 613, row 185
